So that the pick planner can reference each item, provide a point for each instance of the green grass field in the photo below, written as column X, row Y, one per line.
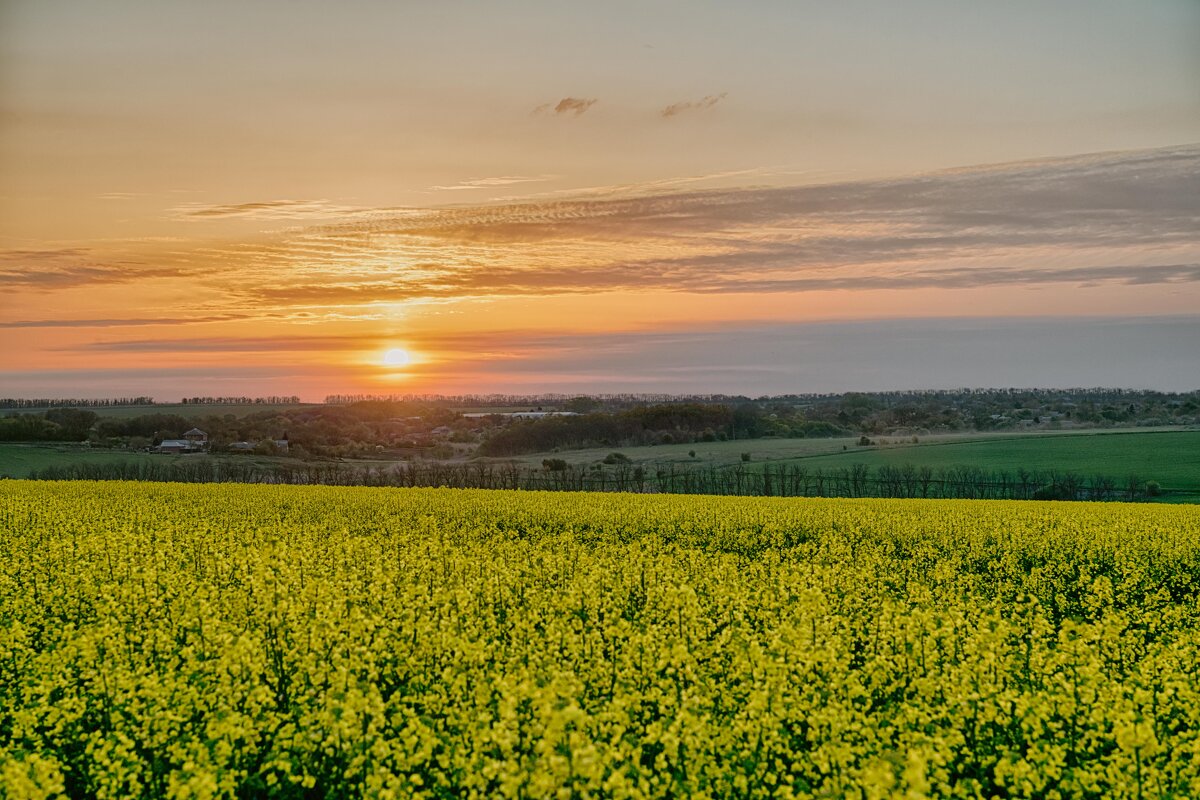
column 22, row 460
column 1170, row 456
column 706, row 452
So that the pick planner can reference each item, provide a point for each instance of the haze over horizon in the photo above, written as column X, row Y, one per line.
column 278, row 198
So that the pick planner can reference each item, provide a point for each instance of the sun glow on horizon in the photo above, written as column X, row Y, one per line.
column 397, row 357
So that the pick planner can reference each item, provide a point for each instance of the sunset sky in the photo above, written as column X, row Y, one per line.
column 227, row 197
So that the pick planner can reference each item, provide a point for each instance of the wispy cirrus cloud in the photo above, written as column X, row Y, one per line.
column 1118, row 218
column 276, row 210
column 1122, row 218
column 226, row 344
column 512, row 283
column 492, row 183
column 120, row 322
column 59, row 268
column 1130, row 218
column 1139, row 194
column 675, row 109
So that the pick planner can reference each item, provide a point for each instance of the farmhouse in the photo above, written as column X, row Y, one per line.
column 196, row 436
column 193, row 441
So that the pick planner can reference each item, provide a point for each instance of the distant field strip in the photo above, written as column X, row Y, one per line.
column 272, row 641
column 1170, row 457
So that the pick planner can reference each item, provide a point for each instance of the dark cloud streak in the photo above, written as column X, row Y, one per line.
column 675, row 109
column 227, row 344
column 568, row 105
column 117, row 322
column 1150, row 352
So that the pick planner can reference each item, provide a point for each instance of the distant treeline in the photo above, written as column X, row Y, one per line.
column 271, row 399
column 783, row 480
column 877, row 413
column 54, row 425
column 652, row 424
column 1093, row 394
column 506, row 400
column 110, row 402
column 59, row 402
column 331, row 431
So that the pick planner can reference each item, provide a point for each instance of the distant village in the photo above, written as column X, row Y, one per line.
column 412, row 434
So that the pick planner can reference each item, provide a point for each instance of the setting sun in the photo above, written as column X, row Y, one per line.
column 397, row 357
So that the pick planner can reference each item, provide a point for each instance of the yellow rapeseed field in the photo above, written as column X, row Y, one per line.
column 206, row 641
